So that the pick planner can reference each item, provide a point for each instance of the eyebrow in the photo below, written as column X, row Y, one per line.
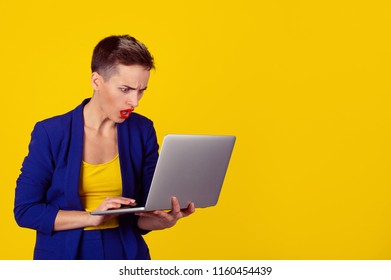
column 132, row 88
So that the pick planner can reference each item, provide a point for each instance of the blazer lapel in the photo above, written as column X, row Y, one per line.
column 75, row 158
column 125, row 154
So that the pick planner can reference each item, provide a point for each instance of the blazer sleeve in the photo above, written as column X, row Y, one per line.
column 31, row 209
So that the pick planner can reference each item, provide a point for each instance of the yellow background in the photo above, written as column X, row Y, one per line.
column 304, row 85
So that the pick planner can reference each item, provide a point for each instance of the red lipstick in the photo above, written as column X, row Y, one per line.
column 125, row 113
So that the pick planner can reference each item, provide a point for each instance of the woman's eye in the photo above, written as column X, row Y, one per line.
column 124, row 90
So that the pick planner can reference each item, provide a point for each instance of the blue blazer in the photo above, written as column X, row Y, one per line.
column 49, row 181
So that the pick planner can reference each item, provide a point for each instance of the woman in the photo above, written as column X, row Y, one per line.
column 96, row 157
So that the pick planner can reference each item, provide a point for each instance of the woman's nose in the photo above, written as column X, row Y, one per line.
column 133, row 100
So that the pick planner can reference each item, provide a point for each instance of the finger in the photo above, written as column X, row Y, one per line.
column 152, row 214
column 189, row 210
column 115, row 203
column 126, row 200
column 161, row 217
column 176, row 208
column 122, row 200
column 112, row 205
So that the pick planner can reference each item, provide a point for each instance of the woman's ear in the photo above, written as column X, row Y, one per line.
column 96, row 81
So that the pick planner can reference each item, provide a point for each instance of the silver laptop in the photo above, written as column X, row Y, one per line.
column 191, row 168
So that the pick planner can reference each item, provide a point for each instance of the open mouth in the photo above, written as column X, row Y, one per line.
column 125, row 113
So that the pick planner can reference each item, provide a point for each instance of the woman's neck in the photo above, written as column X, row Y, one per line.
column 96, row 119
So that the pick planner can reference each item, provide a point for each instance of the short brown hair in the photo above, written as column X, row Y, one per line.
column 122, row 49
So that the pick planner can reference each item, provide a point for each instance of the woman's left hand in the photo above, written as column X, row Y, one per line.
column 155, row 220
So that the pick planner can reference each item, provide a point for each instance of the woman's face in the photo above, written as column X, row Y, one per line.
column 121, row 92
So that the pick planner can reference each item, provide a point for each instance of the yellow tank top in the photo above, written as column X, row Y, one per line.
column 98, row 181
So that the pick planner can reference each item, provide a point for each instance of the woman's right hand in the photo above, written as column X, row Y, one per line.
column 110, row 203
column 68, row 219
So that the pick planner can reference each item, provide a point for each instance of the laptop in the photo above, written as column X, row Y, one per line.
column 191, row 168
